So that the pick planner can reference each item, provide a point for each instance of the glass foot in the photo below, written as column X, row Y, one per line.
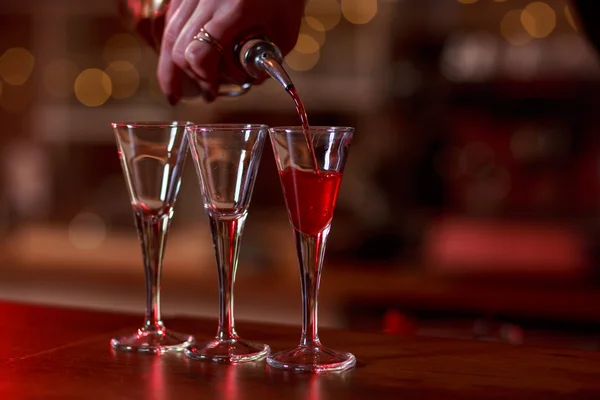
column 231, row 351
column 152, row 341
column 312, row 359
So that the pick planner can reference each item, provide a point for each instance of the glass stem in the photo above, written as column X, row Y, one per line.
column 152, row 231
column 311, row 252
column 227, row 236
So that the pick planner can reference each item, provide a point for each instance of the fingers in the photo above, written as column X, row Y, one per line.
column 211, row 63
column 188, row 67
column 170, row 8
column 199, row 59
column 171, row 75
column 203, row 59
column 227, row 26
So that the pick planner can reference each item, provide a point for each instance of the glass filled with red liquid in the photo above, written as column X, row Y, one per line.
column 310, row 178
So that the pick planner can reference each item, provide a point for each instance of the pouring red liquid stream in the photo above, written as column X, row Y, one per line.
column 151, row 30
column 310, row 195
column 299, row 107
column 305, row 126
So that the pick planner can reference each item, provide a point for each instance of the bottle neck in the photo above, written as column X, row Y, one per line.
column 261, row 59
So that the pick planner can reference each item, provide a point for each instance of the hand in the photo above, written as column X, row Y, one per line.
column 189, row 67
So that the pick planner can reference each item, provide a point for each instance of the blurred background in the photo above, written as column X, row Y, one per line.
column 470, row 205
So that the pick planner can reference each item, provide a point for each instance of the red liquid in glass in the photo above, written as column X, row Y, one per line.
column 310, row 198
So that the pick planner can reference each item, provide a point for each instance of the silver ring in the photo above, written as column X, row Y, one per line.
column 204, row 36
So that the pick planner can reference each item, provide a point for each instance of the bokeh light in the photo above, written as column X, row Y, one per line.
column 87, row 231
column 512, row 29
column 523, row 62
column 306, row 44
column 93, row 87
column 571, row 53
column 538, row 19
column 302, row 62
column 122, row 47
column 359, row 11
column 328, row 12
column 305, row 55
column 314, row 28
column 470, row 57
column 314, row 23
column 124, row 77
column 59, row 78
column 16, row 65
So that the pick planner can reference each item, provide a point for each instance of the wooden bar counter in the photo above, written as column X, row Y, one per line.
column 52, row 353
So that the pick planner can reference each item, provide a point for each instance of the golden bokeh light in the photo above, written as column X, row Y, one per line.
column 359, row 11
column 16, row 99
column 313, row 27
column 314, row 23
column 538, row 19
column 59, row 78
column 124, row 77
column 122, row 47
column 302, row 62
column 306, row 44
column 93, row 87
column 328, row 12
column 570, row 19
column 467, row 1
column 87, row 231
column 512, row 29
column 16, row 65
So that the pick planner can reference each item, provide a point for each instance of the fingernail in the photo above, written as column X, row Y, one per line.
column 172, row 100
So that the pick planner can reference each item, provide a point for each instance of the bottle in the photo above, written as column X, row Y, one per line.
column 257, row 56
